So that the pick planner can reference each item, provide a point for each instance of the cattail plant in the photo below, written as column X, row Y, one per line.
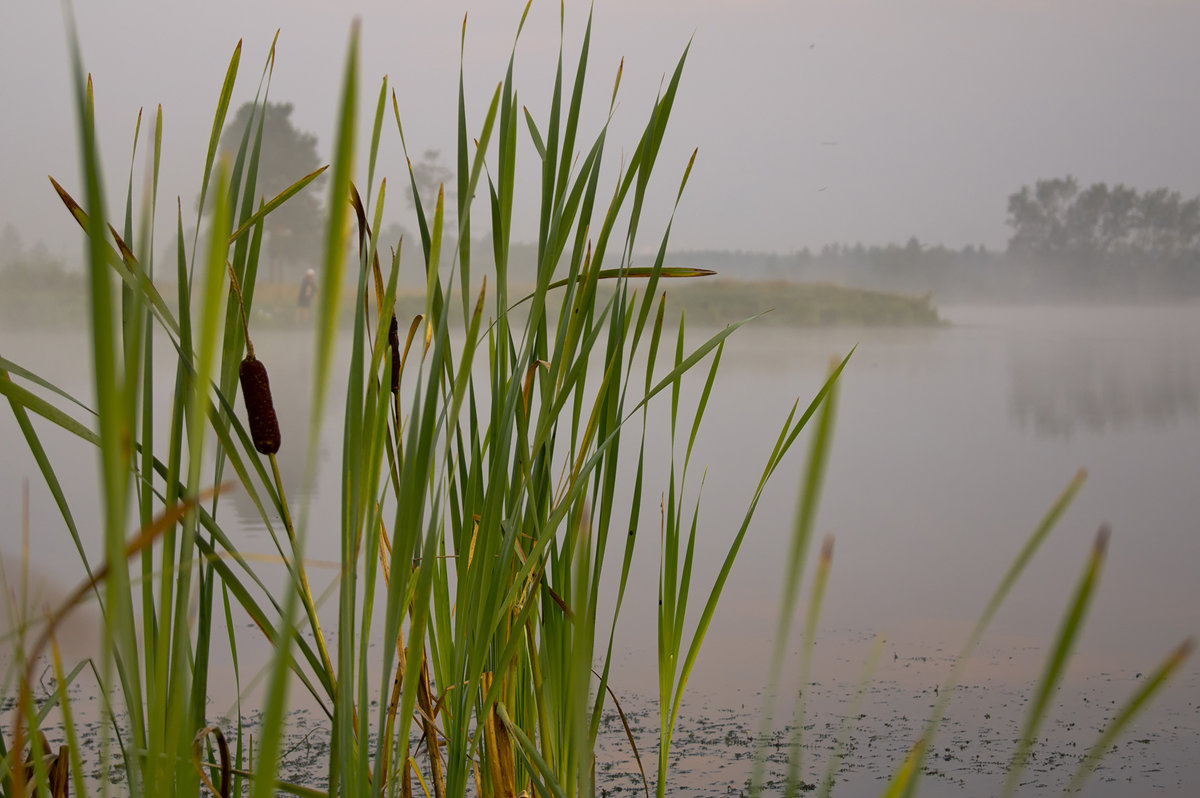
column 394, row 343
column 256, row 389
column 260, row 412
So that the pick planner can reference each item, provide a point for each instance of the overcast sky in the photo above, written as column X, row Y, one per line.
column 816, row 122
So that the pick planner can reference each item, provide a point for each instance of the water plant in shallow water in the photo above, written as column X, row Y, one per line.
column 478, row 502
column 483, row 460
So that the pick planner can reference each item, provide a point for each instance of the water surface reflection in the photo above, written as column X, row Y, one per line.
column 950, row 445
column 1065, row 386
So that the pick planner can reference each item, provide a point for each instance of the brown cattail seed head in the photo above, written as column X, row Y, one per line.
column 256, row 391
column 394, row 342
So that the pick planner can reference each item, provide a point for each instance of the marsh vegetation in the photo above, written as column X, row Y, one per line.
column 501, row 477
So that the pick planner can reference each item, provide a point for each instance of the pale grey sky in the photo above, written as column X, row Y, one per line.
column 817, row 122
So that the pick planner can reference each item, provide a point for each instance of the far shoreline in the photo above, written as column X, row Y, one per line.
column 709, row 301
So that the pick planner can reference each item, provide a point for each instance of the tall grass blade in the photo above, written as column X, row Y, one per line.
column 806, row 513
column 1055, row 666
column 1128, row 711
column 214, row 138
column 820, row 581
column 275, row 202
column 906, row 779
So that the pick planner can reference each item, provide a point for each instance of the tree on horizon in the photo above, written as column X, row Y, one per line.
column 293, row 231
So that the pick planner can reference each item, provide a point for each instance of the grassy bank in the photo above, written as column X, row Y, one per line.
column 717, row 301
column 713, row 302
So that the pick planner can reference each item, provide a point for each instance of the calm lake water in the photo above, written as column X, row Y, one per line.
column 950, row 444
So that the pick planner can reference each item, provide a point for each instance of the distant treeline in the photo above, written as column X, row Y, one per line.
column 912, row 268
column 1102, row 238
column 36, row 288
column 1067, row 243
column 34, row 266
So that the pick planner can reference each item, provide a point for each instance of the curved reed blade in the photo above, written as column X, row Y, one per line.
column 214, row 138
column 1055, row 668
column 326, row 323
column 906, row 780
column 275, row 202
column 1128, row 711
column 224, row 765
column 820, row 581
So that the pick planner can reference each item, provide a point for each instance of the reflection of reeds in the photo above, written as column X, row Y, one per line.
column 477, row 505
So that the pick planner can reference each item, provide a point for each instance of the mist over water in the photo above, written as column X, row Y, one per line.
column 950, row 444
column 991, row 153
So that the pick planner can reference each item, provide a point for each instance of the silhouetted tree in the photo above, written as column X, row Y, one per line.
column 1107, row 238
column 293, row 231
column 430, row 173
column 1039, row 217
column 32, row 267
column 11, row 246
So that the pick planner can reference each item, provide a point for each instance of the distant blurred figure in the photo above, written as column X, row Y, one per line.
column 308, row 290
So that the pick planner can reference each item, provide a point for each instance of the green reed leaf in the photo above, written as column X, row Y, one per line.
column 1055, row 667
